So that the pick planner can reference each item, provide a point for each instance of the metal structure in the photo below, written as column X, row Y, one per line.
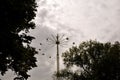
column 57, row 43
column 58, row 40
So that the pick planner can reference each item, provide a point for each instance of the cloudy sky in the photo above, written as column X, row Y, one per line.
column 80, row 20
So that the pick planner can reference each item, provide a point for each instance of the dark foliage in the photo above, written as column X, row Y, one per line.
column 16, row 16
column 94, row 61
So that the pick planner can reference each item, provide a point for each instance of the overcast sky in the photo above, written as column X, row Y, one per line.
column 80, row 20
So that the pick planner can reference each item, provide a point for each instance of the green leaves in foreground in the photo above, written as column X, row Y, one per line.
column 15, row 51
column 92, row 60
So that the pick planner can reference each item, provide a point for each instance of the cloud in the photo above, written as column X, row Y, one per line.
column 92, row 18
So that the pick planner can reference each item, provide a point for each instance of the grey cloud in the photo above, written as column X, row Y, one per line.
column 99, row 24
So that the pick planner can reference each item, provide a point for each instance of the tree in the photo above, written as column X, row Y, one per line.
column 15, row 50
column 94, row 61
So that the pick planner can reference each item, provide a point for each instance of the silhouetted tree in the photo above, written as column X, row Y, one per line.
column 93, row 61
column 15, row 50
